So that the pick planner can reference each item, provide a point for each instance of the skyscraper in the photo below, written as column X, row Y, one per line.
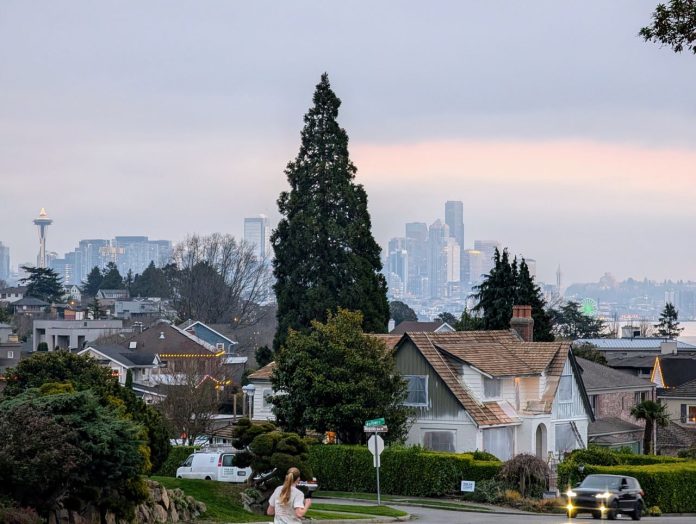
column 397, row 267
column 4, row 262
column 473, row 262
column 454, row 218
column 42, row 222
column 257, row 233
column 417, row 249
column 438, row 233
column 487, row 248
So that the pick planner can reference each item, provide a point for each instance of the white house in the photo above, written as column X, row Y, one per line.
column 261, row 379
column 143, row 367
column 493, row 391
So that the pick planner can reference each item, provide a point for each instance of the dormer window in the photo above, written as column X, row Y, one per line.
column 417, row 390
column 491, row 388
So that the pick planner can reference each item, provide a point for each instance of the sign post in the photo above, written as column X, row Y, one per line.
column 376, row 445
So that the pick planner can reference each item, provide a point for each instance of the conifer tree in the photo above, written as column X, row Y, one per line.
column 668, row 325
column 498, row 293
column 43, row 283
column 112, row 278
column 325, row 254
column 529, row 294
column 93, row 282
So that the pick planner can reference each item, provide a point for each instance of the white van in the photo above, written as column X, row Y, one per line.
column 212, row 465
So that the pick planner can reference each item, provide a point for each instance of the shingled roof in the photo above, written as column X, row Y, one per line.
column 495, row 353
column 264, row 373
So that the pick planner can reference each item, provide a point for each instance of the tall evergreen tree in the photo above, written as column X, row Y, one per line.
column 498, row 293
column 325, row 254
column 93, row 282
column 668, row 325
column 112, row 278
column 401, row 311
column 529, row 294
column 43, row 283
column 152, row 283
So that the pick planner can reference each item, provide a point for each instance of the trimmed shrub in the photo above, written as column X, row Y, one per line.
column 176, row 456
column 404, row 471
column 655, row 511
column 528, row 474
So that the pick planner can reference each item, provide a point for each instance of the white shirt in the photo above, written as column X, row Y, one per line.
column 285, row 513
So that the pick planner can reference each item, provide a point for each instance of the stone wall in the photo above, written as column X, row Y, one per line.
column 163, row 505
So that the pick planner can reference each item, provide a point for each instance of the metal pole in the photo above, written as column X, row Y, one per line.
column 377, row 461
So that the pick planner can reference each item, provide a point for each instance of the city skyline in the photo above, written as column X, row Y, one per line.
column 559, row 149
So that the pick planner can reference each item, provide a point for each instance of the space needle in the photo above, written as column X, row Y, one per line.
column 42, row 222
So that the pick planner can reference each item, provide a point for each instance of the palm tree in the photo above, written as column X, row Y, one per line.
column 653, row 413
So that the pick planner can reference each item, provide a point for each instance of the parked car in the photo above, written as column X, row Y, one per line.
column 606, row 495
column 212, row 465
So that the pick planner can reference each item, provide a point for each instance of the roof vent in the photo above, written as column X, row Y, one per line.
column 161, row 335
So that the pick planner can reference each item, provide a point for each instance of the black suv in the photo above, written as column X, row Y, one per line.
column 606, row 495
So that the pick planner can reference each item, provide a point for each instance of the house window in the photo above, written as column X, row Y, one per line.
column 593, row 402
column 691, row 415
column 417, row 390
column 565, row 388
column 491, row 387
column 641, row 396
column 10, row 354
column 565, row 438
column 439, row 440
column 499, row 441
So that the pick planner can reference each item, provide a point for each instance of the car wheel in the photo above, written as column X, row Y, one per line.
column 179, row 477
column 208, row 478
column 637, row 513
column 613, row 511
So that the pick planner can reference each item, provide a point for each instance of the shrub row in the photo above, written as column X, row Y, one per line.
column 404, row 471
column 177, row 455
column 600, row 456
column 671, row 486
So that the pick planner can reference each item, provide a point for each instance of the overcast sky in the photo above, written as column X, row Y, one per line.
column 566, row 136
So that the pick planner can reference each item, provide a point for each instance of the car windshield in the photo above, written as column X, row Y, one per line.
column 601, row 482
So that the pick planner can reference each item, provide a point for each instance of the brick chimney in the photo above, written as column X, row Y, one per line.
column 522, row 322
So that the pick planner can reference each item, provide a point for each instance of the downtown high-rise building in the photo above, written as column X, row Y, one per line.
column 487, row 247
column 417, row 249
column 129, row 253
column 473, row 268
column 438, row 235
column 397, row 267
column 257, row 233
column 454, row 218
column 4, row 262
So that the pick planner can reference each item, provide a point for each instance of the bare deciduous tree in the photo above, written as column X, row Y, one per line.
column 215, row 278
column 195, row 389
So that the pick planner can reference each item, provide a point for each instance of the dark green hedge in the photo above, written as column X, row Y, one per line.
column 671, row 486
column 404, row 471
column 176, row 456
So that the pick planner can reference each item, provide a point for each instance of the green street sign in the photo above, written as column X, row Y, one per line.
column 375, row 422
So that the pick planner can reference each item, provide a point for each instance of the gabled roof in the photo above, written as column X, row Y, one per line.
column 264, row 373
column 125, row 357
column 30, row 301
column 598, row 377
column 495, row 353
column 169, row 341
column 389, row 339
column 424, row 327
column 674, row 370
column 191, row 328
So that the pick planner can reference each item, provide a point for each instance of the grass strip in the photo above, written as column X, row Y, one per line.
column 378, row 511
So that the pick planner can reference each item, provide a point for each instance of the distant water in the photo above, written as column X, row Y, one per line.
column 688, row 335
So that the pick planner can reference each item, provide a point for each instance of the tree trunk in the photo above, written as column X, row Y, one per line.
column 647, row 437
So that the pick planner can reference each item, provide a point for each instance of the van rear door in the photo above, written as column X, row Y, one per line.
column 229, row 472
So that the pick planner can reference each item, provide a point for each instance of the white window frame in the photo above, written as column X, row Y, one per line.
column 267, row 392
column 417, row 404
column 10, row 354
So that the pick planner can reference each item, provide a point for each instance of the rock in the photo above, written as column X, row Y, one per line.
column 164, row 497
column 173, row 514
column 201, row 507
column 160, row 514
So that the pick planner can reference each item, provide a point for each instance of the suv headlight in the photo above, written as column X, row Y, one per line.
column 570, row 494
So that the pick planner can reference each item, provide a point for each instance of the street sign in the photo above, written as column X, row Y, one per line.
column 375, row 429
column 376, row 445
column 468, row 485
column 375, row 422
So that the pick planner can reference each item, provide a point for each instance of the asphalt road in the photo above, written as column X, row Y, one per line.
column 439, row 516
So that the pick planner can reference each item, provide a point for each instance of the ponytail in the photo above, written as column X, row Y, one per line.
column 290, row 478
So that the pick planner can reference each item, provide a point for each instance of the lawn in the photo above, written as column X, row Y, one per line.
column 225, row 505
column 427, row 502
